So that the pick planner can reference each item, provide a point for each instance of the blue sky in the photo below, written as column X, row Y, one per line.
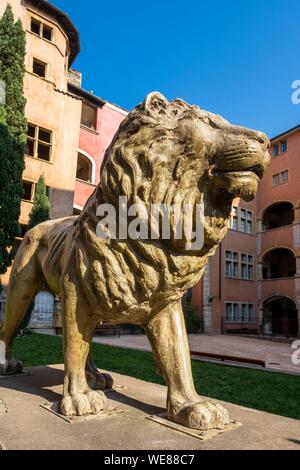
column 237, row 58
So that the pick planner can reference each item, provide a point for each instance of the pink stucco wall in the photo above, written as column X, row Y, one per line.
column 94, row 143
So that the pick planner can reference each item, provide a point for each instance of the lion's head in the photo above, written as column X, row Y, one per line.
column 175, row 153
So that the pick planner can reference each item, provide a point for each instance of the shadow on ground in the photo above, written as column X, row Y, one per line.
column 41, row 381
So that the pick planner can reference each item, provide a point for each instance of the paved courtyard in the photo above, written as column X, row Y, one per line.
column 278, row 356
column 25, row 424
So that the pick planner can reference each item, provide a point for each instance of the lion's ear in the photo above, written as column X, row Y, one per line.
column 155, row 102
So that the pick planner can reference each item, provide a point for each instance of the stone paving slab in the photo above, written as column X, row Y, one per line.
column 26, row 425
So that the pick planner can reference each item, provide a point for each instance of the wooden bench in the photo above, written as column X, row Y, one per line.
column 107, row 329
column 224, row 357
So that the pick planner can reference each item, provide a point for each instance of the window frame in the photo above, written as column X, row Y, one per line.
column 37, row 22
column 42, row 27
column 283, row 146
column 277, row 178
column 37, row 142
column 32, row 190
column 82, row 124
column 242, row 219
column 236, row 310
column 37, row 61
column 236, row 266
column 279, row 147
column 50, row 29
column 276, row 150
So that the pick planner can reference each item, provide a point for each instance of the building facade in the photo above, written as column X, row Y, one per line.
column 99, row 122
column 53, row 115
column 252, row 284
column 68, row 128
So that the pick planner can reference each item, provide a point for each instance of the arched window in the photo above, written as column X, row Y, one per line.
column 279, row 263
column 278, row 215
column 280, row 317
column 85, row 168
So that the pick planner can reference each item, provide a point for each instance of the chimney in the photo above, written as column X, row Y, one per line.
column 75, row 78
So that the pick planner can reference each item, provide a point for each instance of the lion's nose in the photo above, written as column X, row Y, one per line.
column 263, row 139
column 258, row 136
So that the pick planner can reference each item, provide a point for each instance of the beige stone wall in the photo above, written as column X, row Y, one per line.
column 51, row 107
column 59, row 113
column 17, row 6
column 54, row 53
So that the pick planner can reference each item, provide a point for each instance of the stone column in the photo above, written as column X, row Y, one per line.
column 259, row 276
column 207, row 313
column 296, row 240
column 259, row 226
column 261, row 327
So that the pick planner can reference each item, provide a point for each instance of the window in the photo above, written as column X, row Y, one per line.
column 276, row 180
column 284, row 176
column 88, row 116
column 39, row 143
column 84, row 169
column 239, row 265
column 47, row 32
column 35, row 26
column 43, row 30
column 232, row 264
column 275, row 150
column 279, row 148
column 236, row 312
column 283, row 146
column 39, row 68
column 280, row 178
column 27, row 190
column 241, row 220
column 247, row 267
column 228, row 312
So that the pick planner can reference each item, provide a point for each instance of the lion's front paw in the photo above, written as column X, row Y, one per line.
column 81, row 404
column 200, row 415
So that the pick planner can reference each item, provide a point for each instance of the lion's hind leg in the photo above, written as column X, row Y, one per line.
column 25, row 282
column 97, row 380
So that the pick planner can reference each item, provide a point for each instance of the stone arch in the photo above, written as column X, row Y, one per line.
column 278, row 262
column 277, row 214
column 275, row 247
column 273, row 203
column 280, row 316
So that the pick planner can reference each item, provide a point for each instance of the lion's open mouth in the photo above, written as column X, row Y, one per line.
column 242, row 182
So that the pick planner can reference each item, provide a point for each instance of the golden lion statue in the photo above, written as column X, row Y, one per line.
column 163, row 153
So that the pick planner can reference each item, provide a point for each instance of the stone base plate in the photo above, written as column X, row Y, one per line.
column 202, row 435
column 116, row 388
column 54, row 408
